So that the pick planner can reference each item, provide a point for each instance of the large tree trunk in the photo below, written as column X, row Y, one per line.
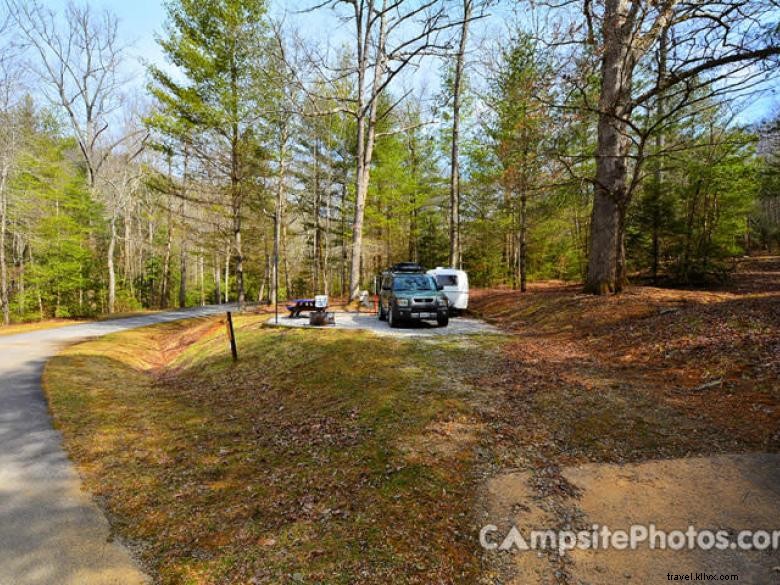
column 611, row 193
column 343, row 239
column 455, row 245
column 366, row 137
column 620, row 253
column 111, row 271
column 361, row 188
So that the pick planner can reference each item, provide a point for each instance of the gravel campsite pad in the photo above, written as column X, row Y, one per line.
column 457, row 326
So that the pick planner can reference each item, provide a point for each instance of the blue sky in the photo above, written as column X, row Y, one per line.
column 141, row 20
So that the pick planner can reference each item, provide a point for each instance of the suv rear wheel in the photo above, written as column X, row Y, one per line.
column 392, row 321
column 381, row 313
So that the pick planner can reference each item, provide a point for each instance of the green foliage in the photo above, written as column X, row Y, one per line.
column 403, row 219
column 229, row 115
column 700, row 209
column 765, row 220
column 511, row 171
column 50, row 194
column 212, row 102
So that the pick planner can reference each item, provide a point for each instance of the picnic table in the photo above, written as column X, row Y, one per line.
column 300, row 305
column 319, row 303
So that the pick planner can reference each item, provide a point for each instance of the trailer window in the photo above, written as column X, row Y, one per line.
column 447, row 279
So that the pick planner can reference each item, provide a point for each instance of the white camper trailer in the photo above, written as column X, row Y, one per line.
column 455, row 284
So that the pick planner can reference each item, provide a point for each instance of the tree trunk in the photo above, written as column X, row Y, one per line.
column 612, row 148
column 4, row 300
column 357, row 228
column 239, row 259
column 285, row 262
column 279, row 213
column 455, row 245
column 183, row 275
column 217, row 280
column 523, row 244
column 318, row 251
column 227, row 273
column 660, row 136
column 111, row 271
column 343, row 239
column 366, row 136
column 266, row 276
column 127, row 248
column 603, row 244
column 202, row 278
column 237, row 195
column 22, row 297
column 620, row 253
column 165, row 285
column 326, row 268
column 273, row 295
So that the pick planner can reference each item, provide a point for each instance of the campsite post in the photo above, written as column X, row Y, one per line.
column 231, row 336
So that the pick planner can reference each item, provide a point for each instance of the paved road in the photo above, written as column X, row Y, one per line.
column 51, row 532
column 369, row 322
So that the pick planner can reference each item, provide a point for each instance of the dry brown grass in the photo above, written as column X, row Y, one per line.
column 320, row 457
column 652, row 372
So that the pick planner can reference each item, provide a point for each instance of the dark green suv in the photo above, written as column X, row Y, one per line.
column 408, row 294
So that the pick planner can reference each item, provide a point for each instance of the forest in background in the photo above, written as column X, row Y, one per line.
column 588, row 141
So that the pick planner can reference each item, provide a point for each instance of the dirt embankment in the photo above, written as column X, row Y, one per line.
column 710, row 359
column 646, row 380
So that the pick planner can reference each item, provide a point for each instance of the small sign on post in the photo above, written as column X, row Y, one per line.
column 231, row 336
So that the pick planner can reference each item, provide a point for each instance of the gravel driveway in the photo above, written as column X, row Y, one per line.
column 369, row 322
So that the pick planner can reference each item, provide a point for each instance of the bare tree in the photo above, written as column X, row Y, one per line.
column 9, row 145
column 118, row 183
column 7, row 153
column 715, row 49
column 389, row 37
column 80, row 67
column 460, row 60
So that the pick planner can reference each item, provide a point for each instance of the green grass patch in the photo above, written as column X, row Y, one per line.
column 310, row 460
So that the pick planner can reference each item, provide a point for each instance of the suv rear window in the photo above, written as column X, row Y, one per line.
column 447, row 279
column 413, row 282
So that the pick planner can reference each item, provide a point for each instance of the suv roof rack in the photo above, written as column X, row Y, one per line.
column 406, row 267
